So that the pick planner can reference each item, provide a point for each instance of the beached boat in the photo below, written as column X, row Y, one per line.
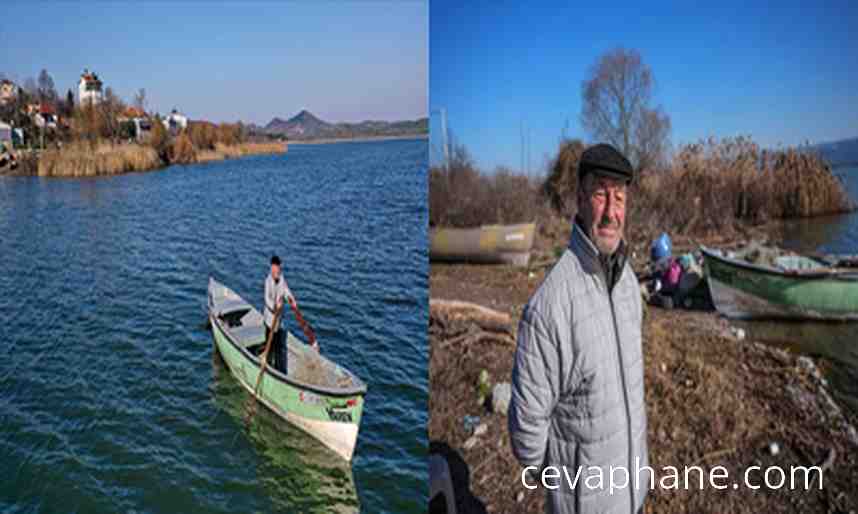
column 743, row 285
column 316, row 395
column 489, row 244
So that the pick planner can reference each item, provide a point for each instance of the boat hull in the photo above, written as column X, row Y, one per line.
column 332, row 419
column 746, row 291
column 489, row 244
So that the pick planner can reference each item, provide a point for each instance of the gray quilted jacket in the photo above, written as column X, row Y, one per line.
column 577, row 383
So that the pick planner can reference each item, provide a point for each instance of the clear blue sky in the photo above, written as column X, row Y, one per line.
column 343, row 61
column 782, row 75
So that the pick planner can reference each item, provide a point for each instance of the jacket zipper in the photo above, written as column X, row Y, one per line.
column 625, row 396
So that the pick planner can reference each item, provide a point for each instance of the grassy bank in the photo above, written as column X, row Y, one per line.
column 83, row 159
column 222, row 151
column 89, row 160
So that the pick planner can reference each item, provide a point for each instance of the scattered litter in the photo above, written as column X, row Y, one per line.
column 774, row 449
column 470, row 442
column 470, row 423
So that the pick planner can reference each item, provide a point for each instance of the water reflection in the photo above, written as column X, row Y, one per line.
column 836, row 342
column 299, row 473
column 825, row 233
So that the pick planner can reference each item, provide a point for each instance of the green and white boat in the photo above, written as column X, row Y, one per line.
column 316, row 395
column 745, row 286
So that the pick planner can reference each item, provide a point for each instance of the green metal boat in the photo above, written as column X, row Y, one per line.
column 745, row 286
column 316, row 395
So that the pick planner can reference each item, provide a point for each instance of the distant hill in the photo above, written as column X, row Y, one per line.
column 840, row 153
column 305, row 126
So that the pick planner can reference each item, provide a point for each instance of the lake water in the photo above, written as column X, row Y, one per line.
column 837, row 342
column 112, row 397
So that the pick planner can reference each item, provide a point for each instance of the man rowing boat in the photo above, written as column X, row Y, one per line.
column 276, row 290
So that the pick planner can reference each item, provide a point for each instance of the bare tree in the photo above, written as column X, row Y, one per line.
column 47, row 91
column 111, row 108
column 140, row 99
column 31, row 88
column 616, row 108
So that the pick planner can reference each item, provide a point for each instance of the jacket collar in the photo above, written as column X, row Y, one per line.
column 584, row 249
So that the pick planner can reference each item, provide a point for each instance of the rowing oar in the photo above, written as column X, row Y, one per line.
column 275, row 325
column 308, row 330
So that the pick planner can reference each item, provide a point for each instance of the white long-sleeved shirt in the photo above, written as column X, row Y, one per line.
column 273, row 291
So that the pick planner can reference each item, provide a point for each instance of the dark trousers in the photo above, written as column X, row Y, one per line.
column 277, row 355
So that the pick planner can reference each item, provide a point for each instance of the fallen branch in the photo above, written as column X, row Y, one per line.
column 475, row 337
column 488, row 319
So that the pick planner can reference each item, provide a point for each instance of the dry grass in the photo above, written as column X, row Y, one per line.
column 82, row 159
column 714, row 186
column 462, row 196
column 222, row 151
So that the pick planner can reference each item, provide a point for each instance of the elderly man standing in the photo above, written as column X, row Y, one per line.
column 577, row 381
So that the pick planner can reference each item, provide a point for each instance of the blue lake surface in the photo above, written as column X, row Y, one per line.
column 112, row 397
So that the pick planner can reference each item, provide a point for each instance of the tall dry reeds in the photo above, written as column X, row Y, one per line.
column 222, row 151
column 84, row 159
column 714, row 185
column 462, row 196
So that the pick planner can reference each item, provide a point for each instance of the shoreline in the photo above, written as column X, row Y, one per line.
column 29, row 160
column 713, row 398
column 370, row 139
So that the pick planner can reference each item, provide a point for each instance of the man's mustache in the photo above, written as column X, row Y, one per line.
column 607, row 222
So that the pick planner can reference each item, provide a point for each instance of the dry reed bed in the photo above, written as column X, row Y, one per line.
column 462, row 196
column 715, row 186
column 83, row 159
column 222, row 151
column 88, row 160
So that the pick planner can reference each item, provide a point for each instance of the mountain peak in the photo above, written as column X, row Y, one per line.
column 304, row 116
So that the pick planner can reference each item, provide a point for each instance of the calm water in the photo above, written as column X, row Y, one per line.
column 112, row 398
column 838, row 342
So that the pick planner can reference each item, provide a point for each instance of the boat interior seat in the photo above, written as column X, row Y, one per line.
column 249, row 335
column 228, row 306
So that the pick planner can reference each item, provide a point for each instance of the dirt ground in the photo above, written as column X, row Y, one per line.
column 711, row 400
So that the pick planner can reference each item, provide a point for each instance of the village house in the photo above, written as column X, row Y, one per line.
column 8, row 92
column 175, row 122
column 89, row 88
column 140, row 126
column 5, row 135
column 45, row 116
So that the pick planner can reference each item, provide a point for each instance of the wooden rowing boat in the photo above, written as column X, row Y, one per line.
column 489, row 244
column 316, row 395
column 786, row 286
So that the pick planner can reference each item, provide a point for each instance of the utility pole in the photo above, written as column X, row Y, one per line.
column 446, row 138
column 521, row 146
column 528, row 152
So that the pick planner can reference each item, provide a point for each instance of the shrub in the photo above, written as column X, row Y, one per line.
column 461, row 196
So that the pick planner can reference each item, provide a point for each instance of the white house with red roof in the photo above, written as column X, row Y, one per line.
column 89, row 88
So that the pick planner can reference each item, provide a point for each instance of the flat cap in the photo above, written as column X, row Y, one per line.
column 604, row 159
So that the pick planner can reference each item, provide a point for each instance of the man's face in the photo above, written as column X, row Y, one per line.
column 602, row 208
column 275, row 271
